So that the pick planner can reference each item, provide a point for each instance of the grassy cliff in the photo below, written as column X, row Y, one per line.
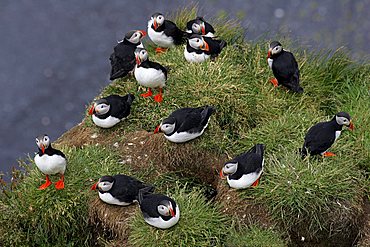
column 312, row 202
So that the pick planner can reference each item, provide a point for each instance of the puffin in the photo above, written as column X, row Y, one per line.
column 284, row 66
column 108, row 111
column 158, row 210
column 201, row 27
column 245, row 169
column 122, row 59
column 200, row 48
column 149, row 74
column 186, row 124
column 50, row 161
column 321, row 136
column 164, row 33
column 119, row 189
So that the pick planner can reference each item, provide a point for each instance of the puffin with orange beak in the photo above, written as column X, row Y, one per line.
column 122, row 59
column 244, row 170
column 200, row 48
column 164, row 33
column 158, row 210
column 201, row 27
column 322, row 136
column 109, row 111
column 284, row 66
column 50, row 161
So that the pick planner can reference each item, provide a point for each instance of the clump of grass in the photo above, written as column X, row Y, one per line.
column 37, row 218
column 201, row 223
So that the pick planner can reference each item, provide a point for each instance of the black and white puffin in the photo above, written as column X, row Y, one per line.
column 185, row 124
column 149, row 74
column 108, row 111
column 321, row 136
column 245, row 170
column 122, row 60
column 158, row 210
column 164, row 33
column 199, row 48
column 50, row 161
column 119, row 189
column 284, row 66
column 201, row 27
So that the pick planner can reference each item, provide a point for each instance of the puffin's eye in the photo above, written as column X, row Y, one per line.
column 45, row 139
column 37, row 141
column 101, row 107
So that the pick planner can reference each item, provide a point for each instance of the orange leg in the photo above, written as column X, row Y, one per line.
column 149, row 93
column 329, row 154
column 46, row 184
column 256, row 182
column 60, row 184
column 159, row 98
column 274, row 82
column 159, row 50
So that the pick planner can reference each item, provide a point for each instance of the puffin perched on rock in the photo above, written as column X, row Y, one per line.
column 119, row 189
column 50, row 161
column 122, row 60
column 164, row 33
column 284, row 66
column 158, row 210
column 321, row 136
column 245, row 170
column 200, row 48
column 149, row 74
column 185, row 124
column 201, row 27
column 108, row 111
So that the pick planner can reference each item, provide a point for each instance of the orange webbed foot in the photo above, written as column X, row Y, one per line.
column 274, row 82
column 329, row 154
column 148, row 94
column 59, row 185
column 158, row 98
column 46, row 184
column 160, row 50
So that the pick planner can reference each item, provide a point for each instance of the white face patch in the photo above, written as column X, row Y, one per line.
column 167, row 128
column 277, row 49
column 101, row 109
column 342, row 121
column 230, row 168
column 162, row 224
column 196, row 43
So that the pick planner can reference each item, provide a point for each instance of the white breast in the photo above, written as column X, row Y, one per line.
column 185, row 136
column 245, row 181
column 209, row 34
column 149, row 77
column 108, row 198
column 337, row 134
column 193, row 57
column 50, row 165
column 162, row 224
column 105, row 123
column 269, row 61
column 159, row 38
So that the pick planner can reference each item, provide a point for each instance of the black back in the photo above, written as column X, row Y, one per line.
column 122, row 60
column 120, row 106
column 51, row 151
column 154, row 65
column 320, row 137
column 286, row 71
column 171, row 30
column 149, row 203
column 215, row 46
column 248, row 162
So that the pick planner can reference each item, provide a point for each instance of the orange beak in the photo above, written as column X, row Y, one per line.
column 351, row 126
column 157, row 129
column 172, row 212
column 205, row 47
column 203, row 29
column 155, row 24
column 94, row 186
column 269, row 53
column 42, row 148
column 91, row 111
column 137, row 59
column 143, row 33
column 222, row 174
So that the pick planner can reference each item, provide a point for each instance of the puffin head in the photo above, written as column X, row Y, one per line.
column 104, row 184
column 197, row 42
column 165, row 208
column 167, row 126
column 43, row 142
column 343, row 118
column 157, row 20
column 199, row 26
column 135, row 36
column 100, row 107
column 141, row 55
column 228, row 169
column 275, row 48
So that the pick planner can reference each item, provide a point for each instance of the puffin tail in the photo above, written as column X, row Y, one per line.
column 145, row 190
column 129, row 98
column 303, row 152
column 206, row 113
column 223, row 44
column 260, row 149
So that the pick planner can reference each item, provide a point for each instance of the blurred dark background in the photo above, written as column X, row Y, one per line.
column 54, row 54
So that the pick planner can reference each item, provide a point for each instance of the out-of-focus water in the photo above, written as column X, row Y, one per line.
column 54, row 54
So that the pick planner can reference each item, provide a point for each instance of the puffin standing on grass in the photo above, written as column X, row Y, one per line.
column 284, row 66
column 149, row 74
column 245, row 170
column 200, row 48
column 50, row 161
column 164, row 33
column 108, row 111
column 119, row 189
column 158, row 210
column 321, row 136
column 201, row 27
column 185, row 124
column 122, row 60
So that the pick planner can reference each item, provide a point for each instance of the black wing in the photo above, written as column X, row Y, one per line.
column 120, row 106
column 126, row 188
column 150, row 64
column 170, row 29
column 215, row 46
column 319, row 138
column 122, row 60
column 248, row 162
